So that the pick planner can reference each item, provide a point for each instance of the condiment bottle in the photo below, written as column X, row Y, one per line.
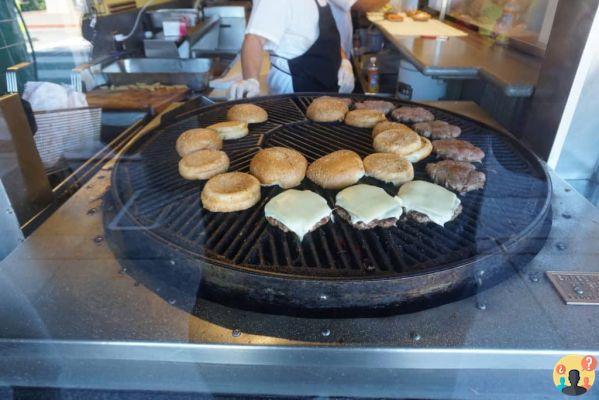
column 372, row 77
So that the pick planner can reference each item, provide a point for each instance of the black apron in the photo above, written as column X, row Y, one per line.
column 316, row 70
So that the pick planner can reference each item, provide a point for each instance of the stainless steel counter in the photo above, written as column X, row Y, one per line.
column 470, row 57
column 72, row 316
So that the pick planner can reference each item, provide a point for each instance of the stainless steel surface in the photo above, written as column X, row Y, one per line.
column 87, row 76
column 469, row 57
column 232, row 26
column 160, row 48
column 173, row 14
column 180, row 47
column 10, row 228
column 232, row 32
column 24, row 186
column 206, row 37
column 225, row 11
column 469, row 109
column 580, row 288
column 589, row 188
column 194, row 73
column 73, row 316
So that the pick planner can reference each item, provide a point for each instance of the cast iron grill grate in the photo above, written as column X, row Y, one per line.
column 148, row 188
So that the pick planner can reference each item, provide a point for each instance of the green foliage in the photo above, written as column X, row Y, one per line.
column 32, row 5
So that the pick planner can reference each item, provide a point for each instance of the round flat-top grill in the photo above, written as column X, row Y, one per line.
column 240, row 258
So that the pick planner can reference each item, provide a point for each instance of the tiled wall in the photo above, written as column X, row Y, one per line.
column 13, row 45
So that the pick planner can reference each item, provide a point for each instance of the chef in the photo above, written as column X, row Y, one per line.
column 305, row 50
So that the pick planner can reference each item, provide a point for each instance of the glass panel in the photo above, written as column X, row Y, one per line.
column 525, row 20
column 362, row 246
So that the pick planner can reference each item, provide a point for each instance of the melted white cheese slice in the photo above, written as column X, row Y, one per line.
column 298, row 210
column 434, row 201
column 365, row 203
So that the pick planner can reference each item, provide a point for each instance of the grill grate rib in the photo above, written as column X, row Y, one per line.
column 515, row 194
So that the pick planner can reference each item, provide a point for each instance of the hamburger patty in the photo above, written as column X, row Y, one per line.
column 378, row 105
column 412, row 114
column 458, row 150
column 382, row 223
column 437, row 130
column 424, row 219
column 281, row 226
column 460, row 176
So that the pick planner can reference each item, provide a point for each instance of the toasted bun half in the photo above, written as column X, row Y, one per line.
column 203, row 164
column 337, row 170
column 279, row 166
column 250, row 113
column 389, row 168
column 387, row 125
column 327, row 109
column 398, row 141
column 230, row 130
column 421, row 16
column 345, row 100
column 426, row 147
column 364, row 118
column 198, row 139
column 394, row 17
column 231, row 191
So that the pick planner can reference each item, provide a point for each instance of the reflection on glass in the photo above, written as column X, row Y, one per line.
column 524, row 20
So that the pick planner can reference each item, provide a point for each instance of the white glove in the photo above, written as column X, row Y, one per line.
column 245, row 88
column 345, row 77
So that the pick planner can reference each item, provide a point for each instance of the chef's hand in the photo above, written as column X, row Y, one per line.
column 345, row 77
column 245, row 88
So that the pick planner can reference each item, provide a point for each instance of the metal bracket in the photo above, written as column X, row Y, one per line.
column 576, row 288
column 76, row 79
column 12, row 78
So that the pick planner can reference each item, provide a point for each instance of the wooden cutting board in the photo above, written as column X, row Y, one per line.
column 136, row 99
column 409, row 27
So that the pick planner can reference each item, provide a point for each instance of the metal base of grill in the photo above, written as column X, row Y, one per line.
column 157, row 223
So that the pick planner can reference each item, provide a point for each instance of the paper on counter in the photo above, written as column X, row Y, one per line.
column 409, row 27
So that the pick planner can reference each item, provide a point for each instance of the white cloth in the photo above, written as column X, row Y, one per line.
column 342, row 14
column 46, row 96
column 345, row 77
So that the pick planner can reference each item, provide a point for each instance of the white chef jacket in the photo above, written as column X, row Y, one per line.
column 290, row 28
column 342, row 14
